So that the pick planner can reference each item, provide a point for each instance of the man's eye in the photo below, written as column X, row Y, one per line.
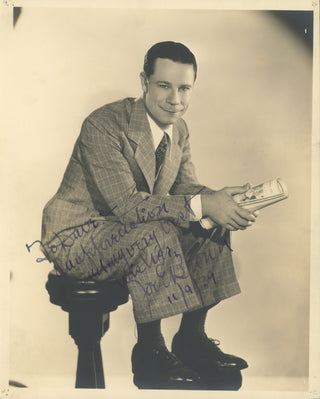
column 164, row 86
column 186, row 88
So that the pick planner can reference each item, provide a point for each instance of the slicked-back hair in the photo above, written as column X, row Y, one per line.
column 174, row 51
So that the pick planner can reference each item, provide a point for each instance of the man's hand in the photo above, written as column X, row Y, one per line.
column 224, row 211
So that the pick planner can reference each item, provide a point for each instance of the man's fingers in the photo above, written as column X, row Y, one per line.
column 231, row 226
column 237, row 189
column 245, row 214
column 240, row 222
column 237, row 222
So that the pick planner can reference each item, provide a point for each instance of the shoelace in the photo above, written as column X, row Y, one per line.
column 210, row 341
column 215, row 341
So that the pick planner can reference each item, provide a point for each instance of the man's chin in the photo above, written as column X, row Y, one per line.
column 173, row 117
column 171, row 121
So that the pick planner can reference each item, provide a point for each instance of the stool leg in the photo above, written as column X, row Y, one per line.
column 90, row 369
column 99, row 366
column 86, row 326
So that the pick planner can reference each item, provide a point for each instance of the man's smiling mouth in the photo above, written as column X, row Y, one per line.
column 171, row 111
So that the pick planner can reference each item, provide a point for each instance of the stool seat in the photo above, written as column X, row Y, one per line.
column 88, row 304
column 65, row 291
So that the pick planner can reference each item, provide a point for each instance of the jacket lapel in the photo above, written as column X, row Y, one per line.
column 140, row 132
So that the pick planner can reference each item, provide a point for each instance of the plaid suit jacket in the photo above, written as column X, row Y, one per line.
column 111, row 173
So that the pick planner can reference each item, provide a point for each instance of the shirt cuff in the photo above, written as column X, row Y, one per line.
column 196, row 207
column 207, row 223
column 196, row 214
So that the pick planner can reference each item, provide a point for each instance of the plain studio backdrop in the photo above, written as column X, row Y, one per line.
column 249, row 120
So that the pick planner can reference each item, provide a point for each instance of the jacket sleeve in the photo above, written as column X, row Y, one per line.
column 186, row 182
column 111, row 183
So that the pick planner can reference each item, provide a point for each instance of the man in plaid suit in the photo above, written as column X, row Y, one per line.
column 130, row 206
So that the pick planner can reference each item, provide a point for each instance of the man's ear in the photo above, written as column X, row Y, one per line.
column 144, row 82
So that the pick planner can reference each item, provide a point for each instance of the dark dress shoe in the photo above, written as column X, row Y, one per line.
column 205, row 351
column 157, row 368
column 217, row 370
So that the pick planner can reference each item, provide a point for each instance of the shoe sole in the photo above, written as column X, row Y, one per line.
column 143, row 382
column 229, row 382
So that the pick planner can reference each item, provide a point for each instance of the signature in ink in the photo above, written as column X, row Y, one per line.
column 65, row 241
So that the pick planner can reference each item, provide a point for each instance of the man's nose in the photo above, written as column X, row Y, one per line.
column 174, row 97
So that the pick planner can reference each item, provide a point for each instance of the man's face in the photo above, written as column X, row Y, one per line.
column 167, row 92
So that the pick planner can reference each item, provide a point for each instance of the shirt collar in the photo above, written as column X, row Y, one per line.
column 157, row 132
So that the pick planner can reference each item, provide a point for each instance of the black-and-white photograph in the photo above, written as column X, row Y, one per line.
column 159, row 179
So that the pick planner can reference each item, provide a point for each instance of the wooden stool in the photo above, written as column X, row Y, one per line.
column 88, row 304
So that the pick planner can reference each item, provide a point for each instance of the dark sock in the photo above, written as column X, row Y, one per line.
column 192, row 324
column 149, row 334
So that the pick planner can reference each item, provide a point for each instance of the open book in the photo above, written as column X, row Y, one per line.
column 257, row 197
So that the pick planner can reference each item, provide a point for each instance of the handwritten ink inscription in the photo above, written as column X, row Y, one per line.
column 150, row 255
column 65, row 241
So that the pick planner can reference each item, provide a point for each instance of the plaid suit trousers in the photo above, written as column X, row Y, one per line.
column 164, row 278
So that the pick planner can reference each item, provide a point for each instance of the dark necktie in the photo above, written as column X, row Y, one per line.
column 161, row 151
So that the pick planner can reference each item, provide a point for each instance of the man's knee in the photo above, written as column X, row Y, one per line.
column 160, row 234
